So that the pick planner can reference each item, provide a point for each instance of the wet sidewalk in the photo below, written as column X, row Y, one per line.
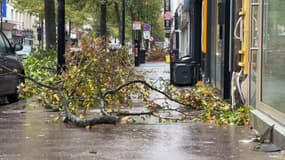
column 30, row 134
column 154, row 70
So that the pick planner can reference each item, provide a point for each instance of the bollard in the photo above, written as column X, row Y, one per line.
column 167, row 58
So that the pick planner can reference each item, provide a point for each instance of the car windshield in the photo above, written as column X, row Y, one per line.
column 4, row 45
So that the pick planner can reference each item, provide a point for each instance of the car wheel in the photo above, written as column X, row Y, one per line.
column 13, row 98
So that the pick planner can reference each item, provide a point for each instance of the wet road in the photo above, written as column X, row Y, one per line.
column 31, row 134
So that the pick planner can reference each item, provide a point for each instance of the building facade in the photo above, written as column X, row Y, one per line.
column 266, row 62
column 18, row 26
column 245, row 55
column 239, row 45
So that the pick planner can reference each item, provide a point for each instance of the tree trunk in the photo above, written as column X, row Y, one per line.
column 50, row 26
column 132, row 19
column 103, row 19
column 118, row 18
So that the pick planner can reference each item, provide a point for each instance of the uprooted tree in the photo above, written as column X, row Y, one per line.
column 98, row 78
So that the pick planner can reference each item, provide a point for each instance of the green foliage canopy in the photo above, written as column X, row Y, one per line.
column 81, row 12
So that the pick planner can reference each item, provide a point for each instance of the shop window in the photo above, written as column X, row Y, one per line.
column 273, row 54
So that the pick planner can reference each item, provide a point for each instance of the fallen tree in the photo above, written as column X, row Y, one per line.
column 94, row 78
column 100, row 79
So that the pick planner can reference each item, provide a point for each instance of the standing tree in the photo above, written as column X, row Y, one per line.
column 103, row 19
column 118, row 18
column 50, row 23
column 102, row 14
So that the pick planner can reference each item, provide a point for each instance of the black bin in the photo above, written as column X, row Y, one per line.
column 184, row 72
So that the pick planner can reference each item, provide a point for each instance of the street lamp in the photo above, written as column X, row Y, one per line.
column 61, row 36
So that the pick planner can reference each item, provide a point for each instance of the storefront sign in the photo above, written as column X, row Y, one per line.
column 18, row 33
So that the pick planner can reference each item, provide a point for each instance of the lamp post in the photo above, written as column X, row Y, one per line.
column 61, row 36
column 123, row 21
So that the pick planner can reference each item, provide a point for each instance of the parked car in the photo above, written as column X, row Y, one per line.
column 27, row 49
column 9, row 81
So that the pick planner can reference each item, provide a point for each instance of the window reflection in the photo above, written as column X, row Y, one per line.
column 273, row 56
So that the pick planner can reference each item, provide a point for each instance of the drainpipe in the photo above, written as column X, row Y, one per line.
column 230, row 69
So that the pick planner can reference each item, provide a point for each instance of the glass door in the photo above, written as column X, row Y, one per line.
column 273, row 55
column 271, row 60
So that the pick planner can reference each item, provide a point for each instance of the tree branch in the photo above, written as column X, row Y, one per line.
column 29, row 78
column 107, row 118
column 86, row 122
column 149, row 86
column 135, row 113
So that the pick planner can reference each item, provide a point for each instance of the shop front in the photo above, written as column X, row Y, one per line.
column 267, row 61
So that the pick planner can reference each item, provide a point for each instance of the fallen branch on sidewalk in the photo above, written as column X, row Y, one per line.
column 107, row 118
column 98, row 79
column 70, row 117
column 82, row 86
